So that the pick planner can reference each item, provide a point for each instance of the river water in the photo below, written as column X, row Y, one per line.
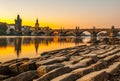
column 12, row 47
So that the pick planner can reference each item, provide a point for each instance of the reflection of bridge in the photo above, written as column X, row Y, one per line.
column 79, row 32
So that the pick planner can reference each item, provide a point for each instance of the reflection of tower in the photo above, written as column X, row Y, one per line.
column 61, row 31
column 37, row 25
column 3, row 42
column 77, row 41
column 18, row 44
column 36, row 44
column 18, row 24
column 94, row 36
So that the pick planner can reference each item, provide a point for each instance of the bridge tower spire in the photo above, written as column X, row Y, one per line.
column 77, row 30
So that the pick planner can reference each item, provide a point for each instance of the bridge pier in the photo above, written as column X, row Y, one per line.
column 61, row 32
column 94, row 36
column 113, row 34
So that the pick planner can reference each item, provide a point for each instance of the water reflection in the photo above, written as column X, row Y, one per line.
column 32, row 46
column 4, row 42
column 18, row 44
column 36, row 44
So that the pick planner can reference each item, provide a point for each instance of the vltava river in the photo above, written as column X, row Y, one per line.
column 31, row 47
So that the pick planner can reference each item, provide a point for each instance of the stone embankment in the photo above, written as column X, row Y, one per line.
column 81, row 63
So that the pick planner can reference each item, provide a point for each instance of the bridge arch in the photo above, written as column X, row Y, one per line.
column 9, row 30
column 118, row 33
column 55, row 33
column 86, row 33
column 103, row 33
column 41, row 33
column 70, row 33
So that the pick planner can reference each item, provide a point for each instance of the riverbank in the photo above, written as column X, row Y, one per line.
column 81, row 63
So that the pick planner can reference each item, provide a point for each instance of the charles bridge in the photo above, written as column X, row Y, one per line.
column 46, row 31
column 94, row 32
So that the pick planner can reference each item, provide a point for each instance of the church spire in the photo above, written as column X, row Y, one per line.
column 37, row 25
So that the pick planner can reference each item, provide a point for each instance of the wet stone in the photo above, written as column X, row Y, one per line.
column 14, row 67
column 54, row 60
column 26, row 76
column 3, row 77
column 113, row 68
column 27, row 66
column 46, row 68
column 11, row 61
column 44, row 53
column 66, row 77
column 95, row 76
column 16, row 60
column 4, row 69
column 82, row 63
column 54, row 73
column 82, row 71
column 110, row 58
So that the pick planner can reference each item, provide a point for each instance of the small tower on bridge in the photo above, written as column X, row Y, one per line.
column 77, row 31
column 61, row 31
column 37, row 25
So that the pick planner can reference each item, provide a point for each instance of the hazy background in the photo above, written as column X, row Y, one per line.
column 62, row 13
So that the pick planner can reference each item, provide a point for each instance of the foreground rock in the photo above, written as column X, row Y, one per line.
column 2, row 77
column 81, row 63
column 46, row 68
column 54, row 73
column 95, row 76
column 66, row 77
column 27, row 76
column 53, row 60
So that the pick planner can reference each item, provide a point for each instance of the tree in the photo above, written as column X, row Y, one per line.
column 3, row 28
column 11, row 32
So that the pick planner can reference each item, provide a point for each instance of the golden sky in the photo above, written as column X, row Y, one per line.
column 62, row 13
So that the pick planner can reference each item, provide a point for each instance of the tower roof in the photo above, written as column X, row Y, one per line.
column 18, row 16
column 37, row 22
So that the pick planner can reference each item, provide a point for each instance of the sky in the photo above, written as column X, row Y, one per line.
column 62, row 13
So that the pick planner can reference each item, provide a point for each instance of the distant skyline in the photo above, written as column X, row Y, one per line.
column 62, row 13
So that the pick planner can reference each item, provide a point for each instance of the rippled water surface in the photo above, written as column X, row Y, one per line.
column 31, row 47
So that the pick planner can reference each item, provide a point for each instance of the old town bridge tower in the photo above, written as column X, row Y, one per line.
column 18, row 24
